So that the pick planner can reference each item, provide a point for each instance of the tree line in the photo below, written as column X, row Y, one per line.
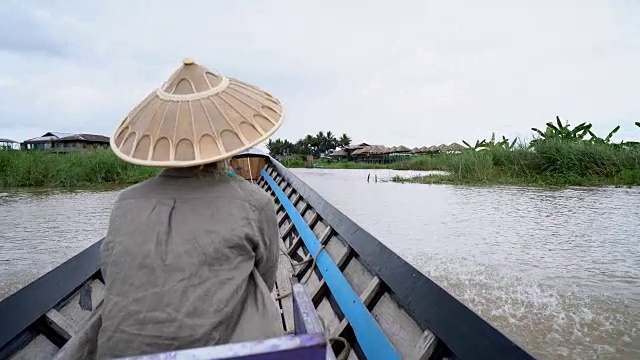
column 315, row 145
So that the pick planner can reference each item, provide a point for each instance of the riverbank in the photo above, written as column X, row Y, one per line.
column 549, row 163
column 99, row 168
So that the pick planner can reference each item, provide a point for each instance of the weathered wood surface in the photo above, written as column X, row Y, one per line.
column 402, row 330
column 283, row 279
column 250, row 167
column 81, row 305
column 60, row 324
column 39, row 348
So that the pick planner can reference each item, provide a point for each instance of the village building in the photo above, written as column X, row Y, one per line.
column 344, row 152
column 78, row 142
column 339, row 154
column 8, row 144
column 351, row 148
column 43, row 142
column 66, row 142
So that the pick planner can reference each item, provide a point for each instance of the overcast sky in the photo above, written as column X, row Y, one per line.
column 408, row 72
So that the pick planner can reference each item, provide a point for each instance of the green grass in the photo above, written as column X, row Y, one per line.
column 73, row 170
column 293, row 163
column 549, row 163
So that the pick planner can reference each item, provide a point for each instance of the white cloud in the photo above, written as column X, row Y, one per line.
column 417, row 74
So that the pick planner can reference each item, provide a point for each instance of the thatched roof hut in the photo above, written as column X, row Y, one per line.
column 380, row 149
column 360, row 151
column 456, row 147
column 372, row 149
column 402, row 148
column 339, row 153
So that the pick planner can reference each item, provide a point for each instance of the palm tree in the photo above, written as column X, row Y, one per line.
column 344, row 141
column 331, row 140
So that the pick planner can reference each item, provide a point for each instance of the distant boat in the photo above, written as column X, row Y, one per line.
column 356, row 298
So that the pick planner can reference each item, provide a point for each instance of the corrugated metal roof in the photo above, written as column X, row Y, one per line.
column 85, row 137
column 48, row 136
column 63, row 136
column 41, row 139
column 59, row 134
column 8, row 141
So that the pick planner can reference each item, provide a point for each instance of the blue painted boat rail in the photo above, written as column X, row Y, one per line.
column 464, row 333
column 372, row 339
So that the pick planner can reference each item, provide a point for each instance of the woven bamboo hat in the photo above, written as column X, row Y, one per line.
column 198, row 116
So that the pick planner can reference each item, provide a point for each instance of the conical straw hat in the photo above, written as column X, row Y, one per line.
column 198, row 116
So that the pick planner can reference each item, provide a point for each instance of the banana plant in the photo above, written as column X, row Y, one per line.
column 563, row 132
column 634, row 144
column 469, row 146
column 607, row 140
column 615, row 130
column 505, row 143
column 481, row 144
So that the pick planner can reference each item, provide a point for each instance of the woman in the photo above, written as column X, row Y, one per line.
column 190, row 256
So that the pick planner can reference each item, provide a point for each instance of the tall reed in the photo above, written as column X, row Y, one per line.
column 83, row 169
column 552, row 162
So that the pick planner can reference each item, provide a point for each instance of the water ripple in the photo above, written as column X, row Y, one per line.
column 40, row 230
column 556, row 270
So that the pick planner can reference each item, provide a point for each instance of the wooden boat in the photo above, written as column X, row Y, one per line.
column 249, row 164
column 369, row 302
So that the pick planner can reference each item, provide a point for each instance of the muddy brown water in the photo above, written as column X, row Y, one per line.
column 558, row 271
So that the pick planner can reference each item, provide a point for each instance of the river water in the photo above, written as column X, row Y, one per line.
column 558, row 271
